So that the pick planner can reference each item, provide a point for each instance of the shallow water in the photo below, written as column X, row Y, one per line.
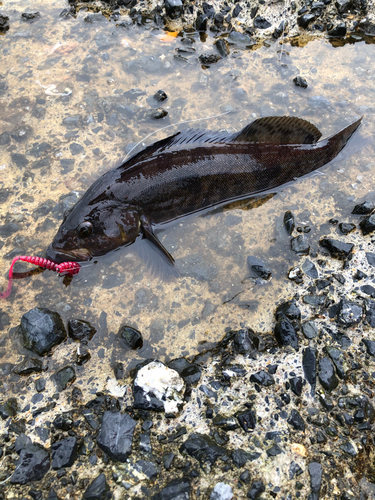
column 63, row 137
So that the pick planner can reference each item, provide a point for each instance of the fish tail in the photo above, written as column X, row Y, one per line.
column 338, row 141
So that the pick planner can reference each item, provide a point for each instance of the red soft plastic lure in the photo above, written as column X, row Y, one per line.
column 63, row 268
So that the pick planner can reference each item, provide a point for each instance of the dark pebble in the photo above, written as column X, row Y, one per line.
column 149, row 469
column 274, row 451
column 349, row 449
column 300, row 82
column 257, row 268
column 289, row 222
column 157, row 114
column 338, row 359
column 42, row 329
column 40, row 384
column 98, row 489
column 309, row 366
column 19, row 160
column 132, row 337
column 28, row 366
column 145, row 443
column 9, row 408
column 222, row 47
column 30, row 16
column 370, row 346
column 310, row 330
column 285, row 332
column 4, row 23
column 370, row 258
column 75, row 148
column 296, row 421
column 350, row 313
column 207, row 59
column 300, row 245
column 367, row 225
column 201, row 22
column 262, row 378
column 261, row 23
column 146, row 401
column 173, row 8
column 315, row 471
column 242, row 342
column 364, row 208
column 294, row 470
column 203, row 448
column 327, row 375
column 64, row 453
column 247, row 420
column 279, row 30
column 190, row 372
column 310, row 269
column 343, row 5
column 177, row 489
column 80, row 330
column 304, row 20
column 119, row 371
column 338, row 249
column 289, row 309
column 168, row 459
column 225, row 423
column 32, row 465
column 64, row 377
column 296, row 385
column 9, row 229
column 116, row 435
column 257, row 488
column 347, row 228
column 160, row 96
column 245, row 477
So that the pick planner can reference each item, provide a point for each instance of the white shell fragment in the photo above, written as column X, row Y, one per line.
column 165, row 384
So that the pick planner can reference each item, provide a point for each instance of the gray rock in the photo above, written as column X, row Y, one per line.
column 173, row 8
column 42, row 329
column 350, row 313
column 33, row 464
column 300, row 245
column 116, row 435
column 98, row 489
column 64, row 377
column 177, row 489
column 327, row 375
column 64, row 453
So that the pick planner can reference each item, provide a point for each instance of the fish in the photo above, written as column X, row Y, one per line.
column 186, row 173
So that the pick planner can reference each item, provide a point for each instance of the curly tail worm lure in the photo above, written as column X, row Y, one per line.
column 63, row 268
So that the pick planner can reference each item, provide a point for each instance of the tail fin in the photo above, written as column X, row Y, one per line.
column 338, row 141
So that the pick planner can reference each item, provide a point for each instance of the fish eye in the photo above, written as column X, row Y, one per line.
column 85, row 229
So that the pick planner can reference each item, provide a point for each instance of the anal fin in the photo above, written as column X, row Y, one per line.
column 148, row 233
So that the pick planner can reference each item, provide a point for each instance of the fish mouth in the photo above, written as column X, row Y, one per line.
column 59, row 256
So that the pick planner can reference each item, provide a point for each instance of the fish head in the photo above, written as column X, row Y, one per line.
column 91, row 231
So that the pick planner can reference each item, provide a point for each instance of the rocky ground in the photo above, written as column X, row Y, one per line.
column 282, row 414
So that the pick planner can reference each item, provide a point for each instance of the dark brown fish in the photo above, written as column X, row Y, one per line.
column 186, row 173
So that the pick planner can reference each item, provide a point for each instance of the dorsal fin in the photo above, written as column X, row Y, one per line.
column 279, row 130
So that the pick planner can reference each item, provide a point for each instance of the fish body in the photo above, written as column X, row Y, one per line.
column 186, row 173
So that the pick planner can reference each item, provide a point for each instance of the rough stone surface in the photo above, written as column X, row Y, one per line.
column 42, row 329
column 116, row 435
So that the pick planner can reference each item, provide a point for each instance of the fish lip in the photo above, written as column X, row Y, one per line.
column 59, row 256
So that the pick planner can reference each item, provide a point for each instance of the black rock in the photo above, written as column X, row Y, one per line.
column 296, row 385
column 310, row 330
column 370, row 346
column 207, row 59
column 133, row 338
column 28, row 366
column 350, row 313
column 173, row 8
column 40, row 384
column 242, row 342
column 338, row 31
column 98, row 489
column 116, row 435
column 327, row 375
column 64, row 453
column 64, row 377
column 338, row 249
column 145, row 443
column 262, row 378
column 147, row 468
column 247, row 419
column 257, row 488
column 343, row 5
column 42, row 329
column 160, row 96
column 347, row 228
column 364, row 208
column 201, row 22
column 146, row 401
column 367, row 225
column 294, row 470
column 349, row 449
column 274, row 450
column 289, row 222
column 300, row 245
column 237, row 9
column 80, row 330
column 304, row 20
column 4, row 23
column 9, row 408
column 279, row 30
column 296, row 421
column 167, row 460
column 338, row 359
column 285, row 332
column 315, row 471
column 257, row 268
column 30, row 16
column 241, row 457
column 368, row 290
column 177, row 489
column 310, row 269
column 370, row 258
column 309, row 366
column 190, row 372
column 225, row 423
column 261, row 23
column 64, row 422
column 289, row 309
column 299, row 81
column 245, row 477
column 157, row 114
column 222, row 47
column 119, row 371
column 33, row 464
column 203, row 448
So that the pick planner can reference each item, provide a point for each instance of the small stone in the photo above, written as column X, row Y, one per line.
column 343, row 5
column 173, row 8
column 294, row 470
column 338, row 31
column 145, row 443
column 201, row 22
column 289, row 309
column 262, row 378
column 149, row 469
column 157, row 114
column 30, row 16
column 64, row 453
column 64, row 377
column 28, row 366
column 160, row 96
column 241, row 457
column 242, row 342
column 261, row 23
column 285, row 332
column 309, row 366
column 116, row 435
column 349, row 448
column 299, row 81
column 222, row 47
column 279, row 30
column 327, row 375
column 257, row 488
column 295, row 274
column 257, row 268
column 364, row 208
column 177, row 489
column 347, row 228
column 245, row 477
column 350, row 313
column 203, row 448
column 367, row 225
column 222, row 491
column 98, row 489
column 310, row 330
column 190, row 372
column 40, row 384
column 33, row 464
column 305, row 20
column 315, row 471
column 370, row 346
column 207, row 59
column 80, row 330
column 300, row 245
column 296, row 421
column 4, row 23
column 119, row 371
column 247, row 420
column 296, row 385
column 82, row 355
column 132, row 337
column 42, row 329
column 338, row 249
column 338, row 359
column 225, row 423
column 9, row 408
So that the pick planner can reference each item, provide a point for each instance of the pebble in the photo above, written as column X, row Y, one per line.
column 364, row 208
column 222, row 47
column 247, row 420
column 261, row 23
column 64, row 377
column 242, row 342
column 190, row 372
column 310, row 329
column 80, row 330
column 309, row 366
column 304, row 20
column 116, row 435
column 338, row 249
column 28, row 365
column 350, row 313
column 299, row 81
column 327, row 375
column 41, row 330
column 296, row 421
column 173, row 8
column 315, row 471
column 262, row 378
column 98, row 489
column 347, row 228
column 177, row 489
column 32, row 465
column 285, row 332
column 257, row 488
column 300, row 245
column 367, row 225
column 203, row 448
column 257, row 268
column 64, row 453
column 132, row 337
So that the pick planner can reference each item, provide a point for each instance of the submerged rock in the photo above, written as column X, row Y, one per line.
column 257, row 268
column 347, row 228
column 299, row 81
column 28, row 365
column 80, row 330
column 132, row 337
column 300, row 245
column 42, row 329
column 64, row 377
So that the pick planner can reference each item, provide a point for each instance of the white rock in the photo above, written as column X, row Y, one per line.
column 165, row 383
column 222, row 491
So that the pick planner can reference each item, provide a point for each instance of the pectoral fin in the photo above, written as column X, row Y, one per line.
column 148, row 233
